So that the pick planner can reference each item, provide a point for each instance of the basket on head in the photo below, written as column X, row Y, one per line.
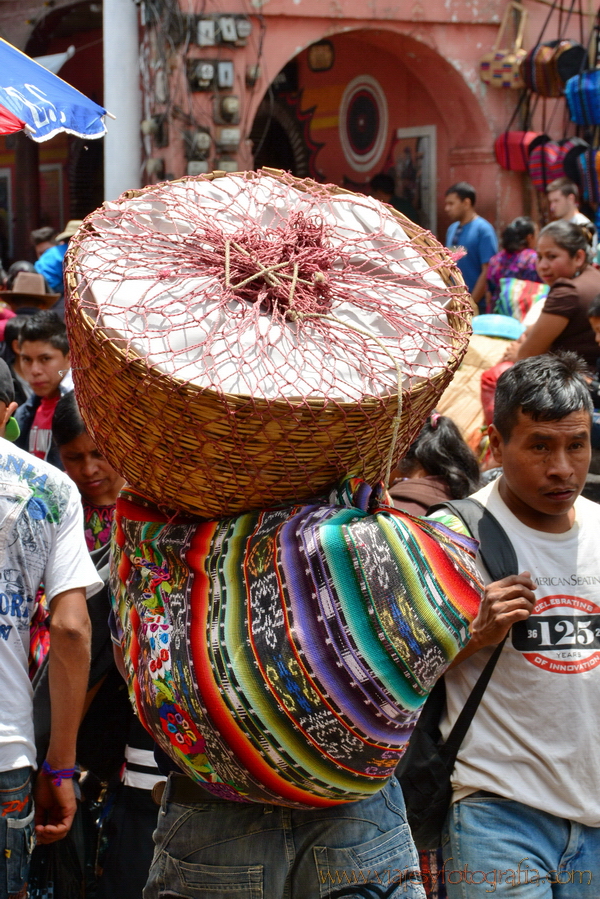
column 244, row 340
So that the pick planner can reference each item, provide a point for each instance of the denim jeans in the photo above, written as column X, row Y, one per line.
column 501, row 848
column 17, row 831
column 228, row 850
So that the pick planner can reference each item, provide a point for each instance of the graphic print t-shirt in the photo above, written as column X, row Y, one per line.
column 41, row 539
column 534, row 737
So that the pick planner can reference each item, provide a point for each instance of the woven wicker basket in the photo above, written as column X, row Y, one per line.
column 216, row 455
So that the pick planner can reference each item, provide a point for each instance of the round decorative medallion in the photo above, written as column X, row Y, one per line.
column 363, row 122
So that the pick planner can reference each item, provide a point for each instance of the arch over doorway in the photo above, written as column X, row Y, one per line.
column 420, row 88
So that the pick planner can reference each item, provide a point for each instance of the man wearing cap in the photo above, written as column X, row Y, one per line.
column 50, row 263
column 42, row 540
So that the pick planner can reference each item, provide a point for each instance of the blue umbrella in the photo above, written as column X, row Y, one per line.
column 43, row 101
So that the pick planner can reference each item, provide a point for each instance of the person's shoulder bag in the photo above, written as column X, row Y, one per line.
column 426, row 767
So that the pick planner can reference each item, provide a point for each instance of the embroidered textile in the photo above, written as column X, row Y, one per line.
column 283, row 656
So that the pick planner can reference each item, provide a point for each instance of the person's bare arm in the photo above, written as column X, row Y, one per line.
column 480, row 288
column 504, row 603
column 69, row 663
column 542, row 334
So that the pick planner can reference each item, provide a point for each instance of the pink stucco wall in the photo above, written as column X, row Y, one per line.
column 424, row 54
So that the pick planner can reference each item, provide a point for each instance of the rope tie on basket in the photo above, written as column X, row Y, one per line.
column 310, row 303
column 286, row 269
column 268, row 273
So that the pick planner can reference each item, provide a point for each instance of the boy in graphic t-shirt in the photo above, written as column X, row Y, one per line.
column 45, row 364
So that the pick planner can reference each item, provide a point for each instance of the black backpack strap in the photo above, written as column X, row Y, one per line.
column 449, row 750
column 498, row 555
column 495, row 548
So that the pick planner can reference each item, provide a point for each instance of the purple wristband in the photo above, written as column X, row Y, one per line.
column 57, row 775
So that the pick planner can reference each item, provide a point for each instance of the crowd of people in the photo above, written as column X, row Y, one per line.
column 524, row 818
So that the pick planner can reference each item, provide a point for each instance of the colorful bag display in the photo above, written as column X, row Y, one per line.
column 501, row 66
column 547, row 158
column 583, row 90
column 517, row 296
column 547, row 68
column 588, row 175
column 283, row 656
column 545, row 162
column 583, row 98
column 512, row 149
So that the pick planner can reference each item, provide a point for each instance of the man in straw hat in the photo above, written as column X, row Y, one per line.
column 42, row 541
column 26, row 290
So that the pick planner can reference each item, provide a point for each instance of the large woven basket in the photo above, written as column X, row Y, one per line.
column 216, row 455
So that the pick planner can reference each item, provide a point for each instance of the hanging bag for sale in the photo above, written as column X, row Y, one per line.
column 547, row 158
column 512, row 147
column 501, row 66
column 549, row 65
column 545, row 162
column 583, row 90
column 587, row 164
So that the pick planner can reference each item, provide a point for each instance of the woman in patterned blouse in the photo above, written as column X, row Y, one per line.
column 516, row 259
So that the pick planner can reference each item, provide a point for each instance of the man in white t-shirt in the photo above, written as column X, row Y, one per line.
column 563, row 202
column 525, row 818
column 41, row 541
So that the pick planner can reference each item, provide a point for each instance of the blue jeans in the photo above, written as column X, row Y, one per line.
column 228, row 850
column 17, row 831
column 500, row 848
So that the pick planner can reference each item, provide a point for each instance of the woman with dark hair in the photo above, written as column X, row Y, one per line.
column 438, row 466
column 96, row 480
column 516, row 259
column 564, row 254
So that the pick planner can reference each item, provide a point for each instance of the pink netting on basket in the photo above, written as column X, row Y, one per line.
column 258, row 336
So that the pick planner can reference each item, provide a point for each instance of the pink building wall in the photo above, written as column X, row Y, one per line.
column 423, row 53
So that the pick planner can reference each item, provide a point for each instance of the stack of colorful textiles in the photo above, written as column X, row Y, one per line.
column 283, row 656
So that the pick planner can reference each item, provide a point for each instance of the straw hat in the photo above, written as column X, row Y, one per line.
column 71, row 228
column 29, row 289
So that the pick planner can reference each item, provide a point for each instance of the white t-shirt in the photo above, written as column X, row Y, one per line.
column 580, row 219
column 536, row 735
column 41, row 540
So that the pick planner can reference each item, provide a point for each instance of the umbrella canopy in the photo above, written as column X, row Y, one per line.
column 41, row 102
column 9, row 123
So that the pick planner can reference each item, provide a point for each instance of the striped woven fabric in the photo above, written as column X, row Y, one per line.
column 283, row 656
column 517, row 296
column 545, row 164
